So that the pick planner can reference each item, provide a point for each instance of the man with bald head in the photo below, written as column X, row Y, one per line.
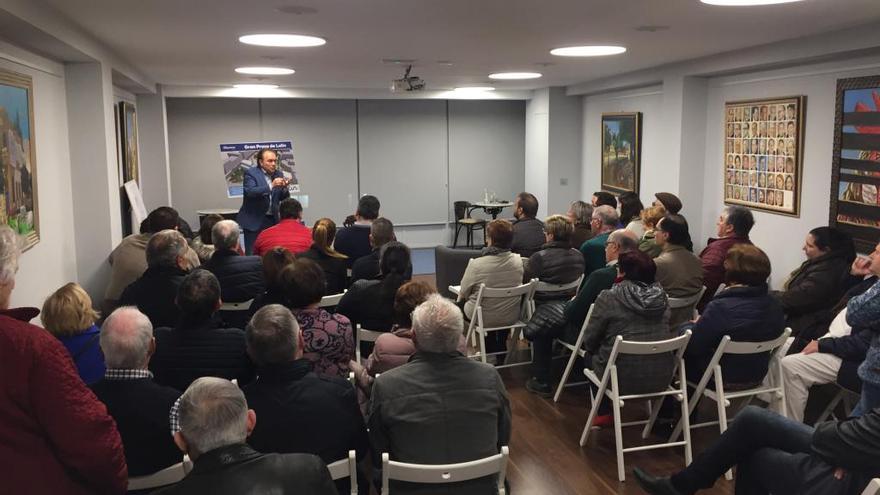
column 139, row 405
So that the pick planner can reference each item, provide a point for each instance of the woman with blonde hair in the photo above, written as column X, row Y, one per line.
column 68, row 315
column 650, row 217
column 332, row 262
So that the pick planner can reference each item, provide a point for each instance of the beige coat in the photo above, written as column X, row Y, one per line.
column 680, row 273
column 495, row 270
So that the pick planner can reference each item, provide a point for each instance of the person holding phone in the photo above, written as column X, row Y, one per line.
column 264, row 188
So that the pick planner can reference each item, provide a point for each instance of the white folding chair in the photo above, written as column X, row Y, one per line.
column 345, row 468
column 237, row 306
column 774, row 387
column 849, row 399
column 689, row 301
column 364, row 335
column 873, row 487
column 477, row 329
column 608, row 387
column 331, row 300
column 577, row 350
column 165, row 477
column 446, row 473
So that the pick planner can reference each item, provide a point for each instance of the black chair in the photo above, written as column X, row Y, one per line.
column 450, row 265
column 463, row 220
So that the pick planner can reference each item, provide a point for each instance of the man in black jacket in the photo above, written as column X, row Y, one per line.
column 241, row 277
column 215, row 421
column 776, row 455
column 367, row 267
column 528, row 231
column 299, row 410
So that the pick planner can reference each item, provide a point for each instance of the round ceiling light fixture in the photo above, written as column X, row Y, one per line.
column 746, row 3
column 265, row 71
column 282, row 40
column 515, row 75
column 255, row 86
column 588, row 51
column 474, row 89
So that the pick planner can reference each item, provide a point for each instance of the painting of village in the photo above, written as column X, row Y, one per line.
column 621, row 152
column 18, row 191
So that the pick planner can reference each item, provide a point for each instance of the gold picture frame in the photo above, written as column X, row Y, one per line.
column 19, row 205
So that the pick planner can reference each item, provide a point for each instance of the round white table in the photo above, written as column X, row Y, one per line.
column 493, row 208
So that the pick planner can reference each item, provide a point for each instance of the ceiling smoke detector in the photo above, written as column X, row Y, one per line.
column 407, row 82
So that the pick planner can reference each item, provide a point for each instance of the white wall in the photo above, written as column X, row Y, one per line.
column 537, row 148
column 564, row 151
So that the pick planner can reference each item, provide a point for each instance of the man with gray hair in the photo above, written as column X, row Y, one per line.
column 406, row 418
column 367, row 267
column 139, row 405
column 604, row 220
column 214, row 424
column 241, row 277
column 154, row 292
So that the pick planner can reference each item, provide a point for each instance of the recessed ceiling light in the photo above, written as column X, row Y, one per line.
column 265, row 71
column 587, row 51
column 284, row 40
column 256, row 86
column 474, row 89
column 515, row 75
column 746, row 3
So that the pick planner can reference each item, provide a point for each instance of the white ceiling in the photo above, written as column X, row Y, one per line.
column 194, row 42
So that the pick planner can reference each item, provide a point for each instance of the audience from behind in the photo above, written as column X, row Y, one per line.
column 199, row 345
column 68, row 315
column 679, row 271
column 604, row 221
column 367, row 267
column 404, row 419
column 203, row 244
column 774, row 454
column 574, row 312
column 604, row 198
column 581, row 215
column 328, row 341
column 864, row 311
column 354, row 241
column 240, row 277
column 637, row 309
column 214, row 424
column 56, row 436
column 651, row 216
column 299, row 411
column 333, row 263
column 274, row 260
column 264, row 188
column 557, row 262
column 139, row 405
column 154, row 292
column 497, row 267
column 668, row 201
column 630, row 212
column 528, row 231
column 128, row 260
column 288, row 233
column 734, row 225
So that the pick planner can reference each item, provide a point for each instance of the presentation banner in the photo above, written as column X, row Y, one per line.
column 238, row 157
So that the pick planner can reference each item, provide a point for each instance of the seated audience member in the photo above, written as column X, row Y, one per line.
column 328, row 341
column 333, row 263
column 774, row 454
column 288, row 233
column 406, row 422
column 68, row 315
column 299, row 411
column 812, row 290
column 637, row 309
column 128, row 260
column 496, row 267
column 275, row 260
column 528, row 231
column 864, row 311
column 734, row 225
column 679, row 271
column 139, row 405
column 650, row 218
column 367, row 267
column 240, row 276
column 668, row 201
column 602, row 198
column 203, row 245
column 556, row 262
column 604, row 221
column 370, row 303
column 354, row 241
column 154, row 292
column 581, row 215
column 575, row 311
column 214, row 424
column 630, row 212
column 199, row 345
column 55, row 436
column 744, row 311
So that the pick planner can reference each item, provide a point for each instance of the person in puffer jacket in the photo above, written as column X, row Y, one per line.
column 556, row 262
column 864, row 311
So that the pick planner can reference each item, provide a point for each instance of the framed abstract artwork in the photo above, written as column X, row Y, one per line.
column 855, row 173
column 763, row 154
column 18, row 180
column 621, row 151
column 128, row 134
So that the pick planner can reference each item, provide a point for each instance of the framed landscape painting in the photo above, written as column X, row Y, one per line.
column 855, row 173
column 763, row 154
column 18, row 183
column 621, row 151
column 129, row 140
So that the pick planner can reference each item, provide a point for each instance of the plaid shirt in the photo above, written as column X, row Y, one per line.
column 174, row 417
column 130, row 374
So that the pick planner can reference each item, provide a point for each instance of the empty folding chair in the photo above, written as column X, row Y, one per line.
column 345, row 468
column 445, row 473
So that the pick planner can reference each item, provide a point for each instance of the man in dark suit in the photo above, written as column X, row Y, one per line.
column 264, row 188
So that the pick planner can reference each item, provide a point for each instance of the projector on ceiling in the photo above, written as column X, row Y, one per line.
column 407, row 82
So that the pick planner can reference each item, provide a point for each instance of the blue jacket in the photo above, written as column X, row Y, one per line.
column 864, row 312
column 747, row 314
column 255, row 202
column 86, row 353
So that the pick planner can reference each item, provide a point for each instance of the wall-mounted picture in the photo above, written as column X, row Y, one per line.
column 128, row 134
column 855, row 175
column 763, row 153
column 18, row 182
column 621, row 151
